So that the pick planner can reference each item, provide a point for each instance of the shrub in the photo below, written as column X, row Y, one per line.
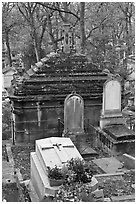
column 79, row 171
column 55, row 173
column 6, row 120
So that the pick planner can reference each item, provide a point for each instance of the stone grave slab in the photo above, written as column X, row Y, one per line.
column 86, row 151
column 119, row 132
column 56, row 151
column 49, row 152
column 109, row 165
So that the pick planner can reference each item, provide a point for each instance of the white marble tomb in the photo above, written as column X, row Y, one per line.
column 49, row 152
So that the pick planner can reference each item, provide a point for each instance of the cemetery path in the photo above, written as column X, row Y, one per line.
column 7, row 166
column 7, row 172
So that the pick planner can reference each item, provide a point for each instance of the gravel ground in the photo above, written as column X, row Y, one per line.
column 21, row 155
column 4, row 153
column 117, row 185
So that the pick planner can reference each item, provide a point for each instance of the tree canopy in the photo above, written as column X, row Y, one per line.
column 104, row 31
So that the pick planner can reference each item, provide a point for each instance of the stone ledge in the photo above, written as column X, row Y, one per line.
column 123, row 198
column 129, row 161
column 114, row 174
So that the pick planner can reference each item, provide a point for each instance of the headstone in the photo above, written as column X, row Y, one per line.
column 74, row 114
column 49, row 152
column 111, row 97
column 111, row 107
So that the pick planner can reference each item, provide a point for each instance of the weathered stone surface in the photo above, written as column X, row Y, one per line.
column 109, row 165
column 129, row 161
column 72, row 71
column 48, row 83
column 55, row 151
column 119, row 132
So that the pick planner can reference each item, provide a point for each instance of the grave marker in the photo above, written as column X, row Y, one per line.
column 74, row 114
column 111, row 97
column 111, row 107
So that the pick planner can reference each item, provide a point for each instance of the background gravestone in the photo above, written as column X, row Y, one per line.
column 74, row 114
column 111, row 107
column 112, row 97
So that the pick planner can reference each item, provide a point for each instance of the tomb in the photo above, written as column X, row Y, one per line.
column 37, row 94
column 113, row 133
column 50, row 152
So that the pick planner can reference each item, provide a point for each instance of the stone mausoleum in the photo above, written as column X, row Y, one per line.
column 38, row 94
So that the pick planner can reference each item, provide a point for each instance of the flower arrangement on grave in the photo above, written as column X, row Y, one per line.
column 78, row 171
column 78, row 175
column 74, row 192
column 56, row 176
column 75, row 170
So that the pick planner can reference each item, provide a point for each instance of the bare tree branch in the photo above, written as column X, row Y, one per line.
column 96, row 27
column 59, row 10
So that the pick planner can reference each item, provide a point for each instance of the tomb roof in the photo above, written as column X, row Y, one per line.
column 57, row 75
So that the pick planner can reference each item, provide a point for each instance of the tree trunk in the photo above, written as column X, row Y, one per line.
column 37, row 49
column 82, row 26
column 8, row 48
column 37, row 45
column 65, row 5
column 54, row 42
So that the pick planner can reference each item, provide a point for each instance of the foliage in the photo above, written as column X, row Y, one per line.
column 118, row 185
column 104, row 31
column 79, row 171
column 6, row 120
column 75, row 170
column 55, row 173
column 74, row 192
column 21, row 156
column 76, row 174
column 98, row 25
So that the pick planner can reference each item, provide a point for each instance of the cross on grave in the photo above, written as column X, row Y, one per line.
column 55, row 151
column 59, row 150
column 57, row 145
